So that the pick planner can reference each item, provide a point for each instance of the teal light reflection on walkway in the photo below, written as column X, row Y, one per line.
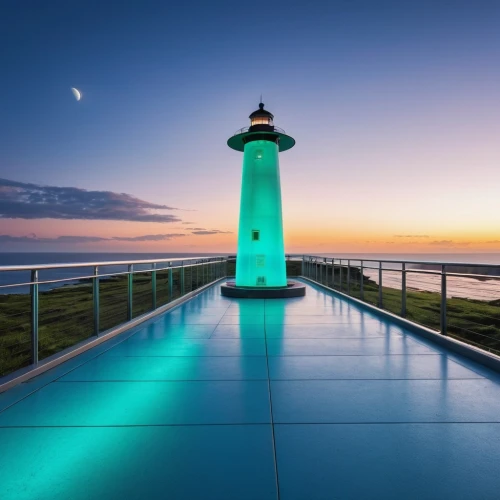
column 183, row 410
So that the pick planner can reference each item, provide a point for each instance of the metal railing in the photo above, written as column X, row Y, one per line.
column 246, row 129
column 43, row 315
column 458, row 299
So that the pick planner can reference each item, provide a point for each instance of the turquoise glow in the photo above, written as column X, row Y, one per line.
column 261, row 258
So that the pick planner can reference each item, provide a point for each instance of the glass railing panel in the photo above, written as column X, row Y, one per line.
column 113, row 300
column 231, row 267
column 176, row 283
column 423, row 300
column 370, row 283
column 391, row 291
column 142, row 297
column 473, row 311
column 15, row 329
column 355, row 280
column 66, row 317
column 293, row 268
column 188, row 279
column 162, row 295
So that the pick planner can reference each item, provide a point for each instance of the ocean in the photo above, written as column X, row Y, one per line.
column 8, row 278
column 457, row 286
column 465, row 287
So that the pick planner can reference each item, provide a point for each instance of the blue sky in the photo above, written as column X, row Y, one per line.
column 384, row 98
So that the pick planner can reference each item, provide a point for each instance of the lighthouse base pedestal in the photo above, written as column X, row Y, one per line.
column 293, row 289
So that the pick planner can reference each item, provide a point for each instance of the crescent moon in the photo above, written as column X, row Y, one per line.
column 76, row 93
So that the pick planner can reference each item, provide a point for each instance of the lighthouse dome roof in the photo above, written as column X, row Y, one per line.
column 261, row 112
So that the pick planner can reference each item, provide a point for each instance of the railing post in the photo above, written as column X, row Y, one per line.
column 403, row 290
column 340, row 274
column 130, row 291
column 361, row 282
column 95, row 297
column 197, row 278
column 34, row 316
column 170, row 282
column 348, row 277
column 153, row 283
column 380, row 297
column 443, row 300
column 182, row 278
column 333, row 274
column 321, row 272
column 302, row 267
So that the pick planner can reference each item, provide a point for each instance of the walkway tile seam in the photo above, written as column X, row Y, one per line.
column 386, row 423
column 356, row 354
column 217, row 325
column 275, row 455
column 198, row 356
column 97, row 426
column 115, row 381
column 275, row 356
column 246, row 424
column 162, row 381
column 118, row 381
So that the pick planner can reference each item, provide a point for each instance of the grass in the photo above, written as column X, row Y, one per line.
column 66, row 314
column 476, row 322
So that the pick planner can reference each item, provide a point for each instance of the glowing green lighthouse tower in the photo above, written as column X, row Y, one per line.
column 260, row 261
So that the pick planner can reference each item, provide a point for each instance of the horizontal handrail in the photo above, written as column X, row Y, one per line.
column 247, row 129
column 391, row 261
column 40, row 267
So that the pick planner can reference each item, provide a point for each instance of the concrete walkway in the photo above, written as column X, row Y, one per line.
column 308, row 398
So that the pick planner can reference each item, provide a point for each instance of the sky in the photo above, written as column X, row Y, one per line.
column 394, row 106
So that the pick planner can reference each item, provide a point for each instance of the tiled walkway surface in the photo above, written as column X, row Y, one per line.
column 307, row 398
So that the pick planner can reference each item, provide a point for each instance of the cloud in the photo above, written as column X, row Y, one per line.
column 32, row 238
column 493, row 242
column 187, row 222
column 19, row 200
column 449, row 243
column 198, row 229
column 149, row 237
column 411, row 236
column 211, row 231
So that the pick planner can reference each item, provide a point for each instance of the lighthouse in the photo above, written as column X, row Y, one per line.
column 260, row 260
